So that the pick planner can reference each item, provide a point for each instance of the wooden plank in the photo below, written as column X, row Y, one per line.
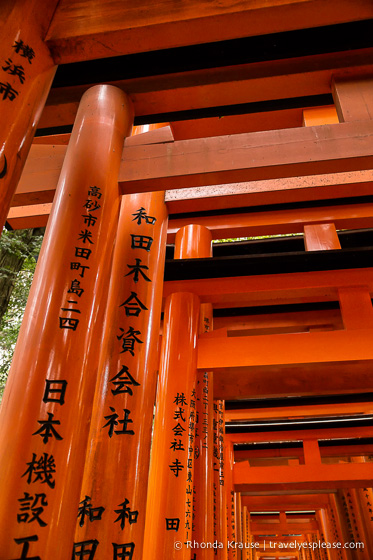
column 291, row 503
column 88, row 30
column 242, row 157
column 281, row 221
column 248, row 157
column 161, row 95
column 286, row 349
column 258, row 290
column 300, row 380
column 354, row 98
column 301, row 477
column 302, row 411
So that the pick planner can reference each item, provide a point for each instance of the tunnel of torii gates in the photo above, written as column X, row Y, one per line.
column 171, row 398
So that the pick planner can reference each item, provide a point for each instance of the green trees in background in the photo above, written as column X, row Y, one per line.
column 18, row 255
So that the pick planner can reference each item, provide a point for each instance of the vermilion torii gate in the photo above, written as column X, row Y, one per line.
column 260, row 430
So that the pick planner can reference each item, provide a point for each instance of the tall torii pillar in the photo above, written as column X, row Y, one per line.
column 26, row 74
column 47, row 402
column 169, row 514
column 113, row 495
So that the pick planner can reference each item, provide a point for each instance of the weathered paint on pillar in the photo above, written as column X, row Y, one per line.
column 169, row 513
column 26, row 74
column 118, row 451
column 48, row 398
column 220, row 507
column 231, row 527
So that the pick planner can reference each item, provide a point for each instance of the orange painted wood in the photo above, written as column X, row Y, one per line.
column 353, row 98
column 52, row 379
column 214, row 87
column 255, row 479
column 86, row 31
column 242, row 157
column 292, row 189
column 230, row 493
column 333, row 346
column 365, row 499
column 170, row 491
column 117, row 459
column 262, row 289
column 247, row 157
column 298, row 411
column 356, row 307
column 319, row 116
column 194, row 241
column 321, row 237
column 291, row 502
column 220, row 466
column 26, row 76
column 290, row 454
column 168, row 514
column 339, row 534
column 312, row 453
column 299, row 435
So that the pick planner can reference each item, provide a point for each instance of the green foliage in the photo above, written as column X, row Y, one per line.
column 15, row 244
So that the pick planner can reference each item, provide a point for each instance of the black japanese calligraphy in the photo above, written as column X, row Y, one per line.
column 55, row 390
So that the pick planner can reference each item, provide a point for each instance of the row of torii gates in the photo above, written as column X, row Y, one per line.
column 260, row 441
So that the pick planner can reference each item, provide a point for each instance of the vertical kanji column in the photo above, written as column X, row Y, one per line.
column 26, row 74
column 231, row 527
column 113, row 496
column 195, row 241
column 220, row 496
column 48, row 398
column 365, row 498
column 169, row 514
column 340, row 535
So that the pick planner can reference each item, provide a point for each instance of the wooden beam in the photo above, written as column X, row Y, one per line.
column 296, row 380
column 248, row 157
column 85, row 31
column 302, row 411
column 301, row 435
column 353, row 98
column 353, row 216
column 286, row 349
column 254, row 156
column 289, row 502
column 334, row 451
column 297, row 287
column 325, row 477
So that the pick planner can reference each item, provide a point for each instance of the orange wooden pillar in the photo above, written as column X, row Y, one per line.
column 169, row 513
column 118, row 451
column 365, row 497
column 325, row 535
column 220, row 497
column 48, row 398
column 239, row 534
column 357, row 526
column 195, row 241
column 339, row 534
column 231, row 527
column 26, row 74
